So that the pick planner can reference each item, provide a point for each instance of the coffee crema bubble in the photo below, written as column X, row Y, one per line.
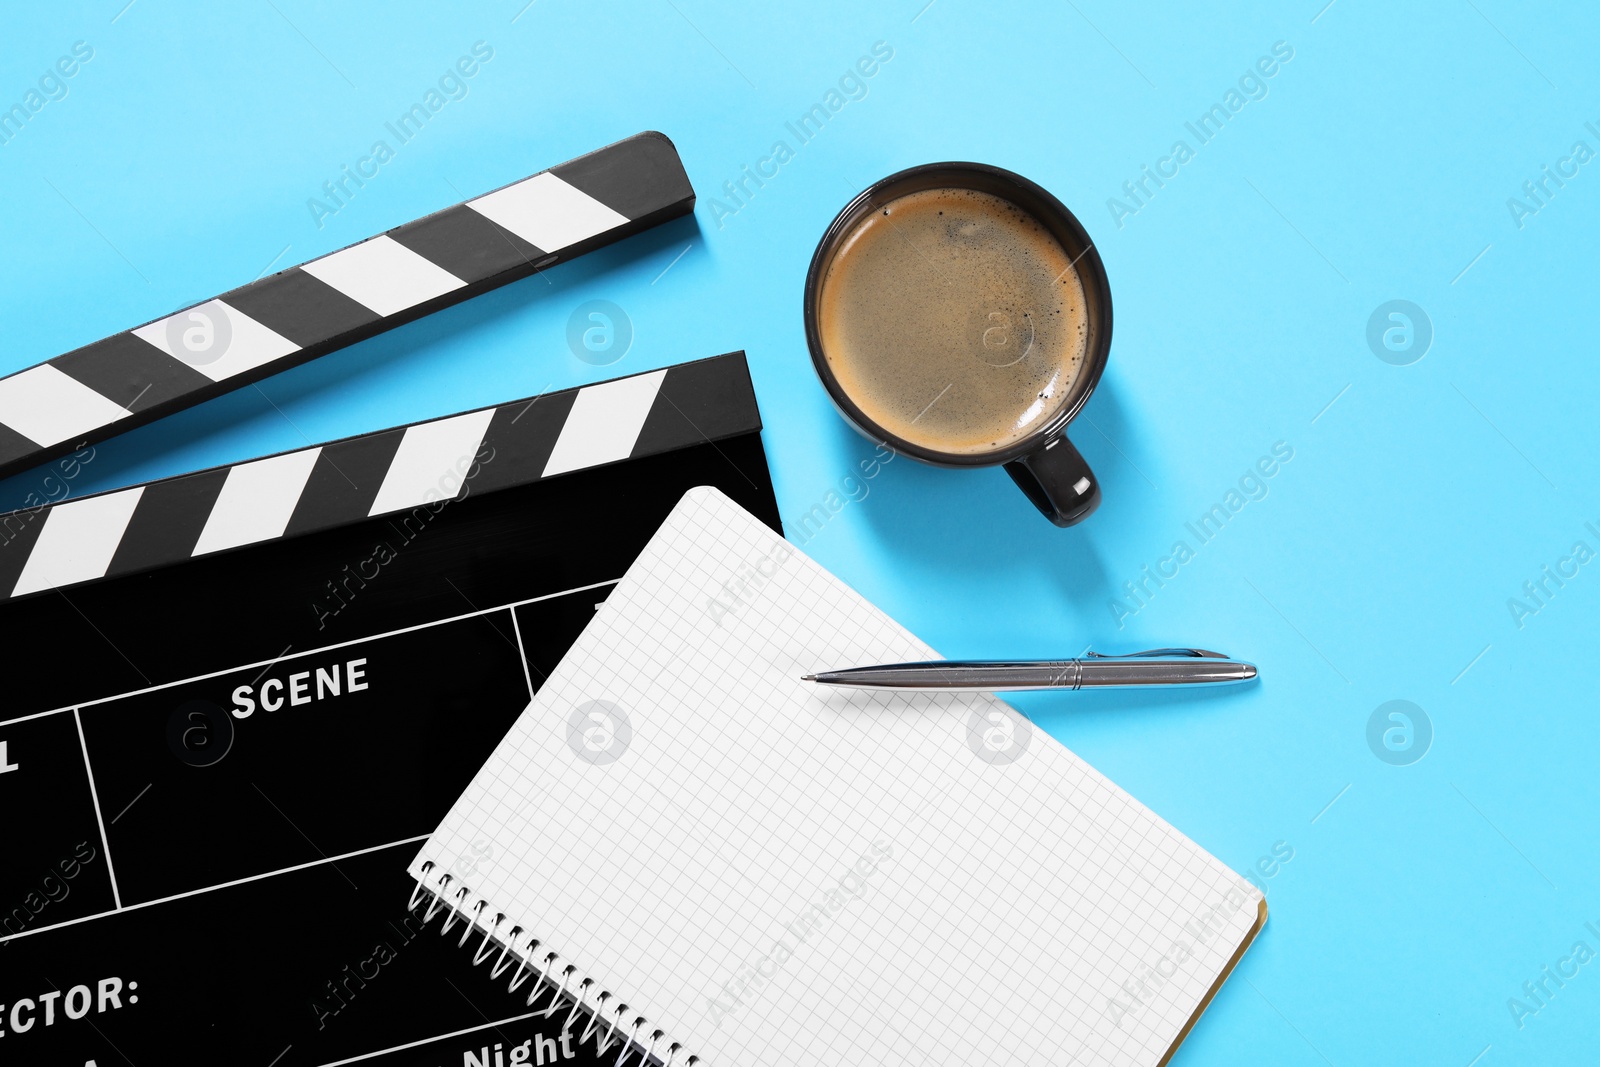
column 954, row 319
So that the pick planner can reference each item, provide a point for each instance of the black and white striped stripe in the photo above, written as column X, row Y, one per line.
column 303, row 312
column 146, row 526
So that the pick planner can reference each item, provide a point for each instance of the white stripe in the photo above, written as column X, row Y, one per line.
column 77, row 541
column 384, row 275
column 48, row 407
column 432, row 461
column 545, row 211
column 217, row 340
column 604, row 423
column 256, row 501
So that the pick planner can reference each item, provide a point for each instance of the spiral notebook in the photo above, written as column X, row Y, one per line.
column 683, row 852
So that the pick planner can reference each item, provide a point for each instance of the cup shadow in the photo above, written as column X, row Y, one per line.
column 975, row 522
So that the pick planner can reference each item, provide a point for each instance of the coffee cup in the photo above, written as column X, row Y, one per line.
column 959, row 314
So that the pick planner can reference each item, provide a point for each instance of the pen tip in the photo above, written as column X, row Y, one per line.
column 1247, row 671
column 808, row 677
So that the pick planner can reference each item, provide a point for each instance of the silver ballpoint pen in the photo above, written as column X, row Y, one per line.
column 1157, row 667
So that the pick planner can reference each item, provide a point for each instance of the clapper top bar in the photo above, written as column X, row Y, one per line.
column 297, row 314
column 423, row 465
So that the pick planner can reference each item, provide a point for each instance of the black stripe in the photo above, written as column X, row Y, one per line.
column 467, row 244
column 304, row 309
column 641, row 178
column 130, row 371
column 13, row 446
column 521, row 435
column 706, row 400
column 167, row 521
column 634, row 177
column 344, row 481
column 19, row 530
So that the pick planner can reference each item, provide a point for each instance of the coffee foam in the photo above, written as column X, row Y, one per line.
column 954, row 320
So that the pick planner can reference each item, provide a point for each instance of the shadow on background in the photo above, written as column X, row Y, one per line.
column 977, row 522
column 1108, row 715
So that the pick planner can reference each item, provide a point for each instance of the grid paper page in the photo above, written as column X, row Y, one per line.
column 777, row 874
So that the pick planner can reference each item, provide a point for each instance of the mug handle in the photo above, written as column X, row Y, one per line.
column 1058, row 481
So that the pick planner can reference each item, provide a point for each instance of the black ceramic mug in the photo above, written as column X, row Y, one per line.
column 1043, row 463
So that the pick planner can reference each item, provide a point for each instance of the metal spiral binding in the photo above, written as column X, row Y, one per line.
column 560, row 978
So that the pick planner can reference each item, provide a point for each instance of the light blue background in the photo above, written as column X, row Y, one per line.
column 1377, row 567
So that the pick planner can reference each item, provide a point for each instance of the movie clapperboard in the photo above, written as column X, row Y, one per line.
column 238, row 699
column 306, row 311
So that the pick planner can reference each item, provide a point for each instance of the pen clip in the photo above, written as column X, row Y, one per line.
column 1154, row 653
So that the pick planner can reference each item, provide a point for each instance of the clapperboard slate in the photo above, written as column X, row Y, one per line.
column 238, row 700
column 302, row 312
